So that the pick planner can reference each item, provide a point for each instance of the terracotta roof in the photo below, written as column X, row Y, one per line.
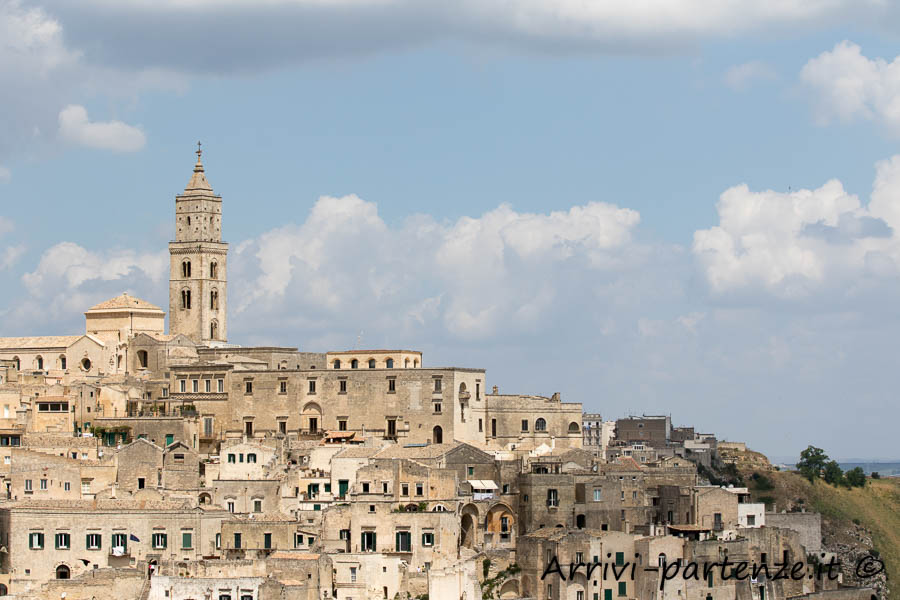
column 124, row 301
column 45, row 341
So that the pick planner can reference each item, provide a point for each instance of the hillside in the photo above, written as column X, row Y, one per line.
column 854, row 521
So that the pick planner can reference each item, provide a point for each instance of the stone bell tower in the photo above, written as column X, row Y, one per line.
column 198, row 280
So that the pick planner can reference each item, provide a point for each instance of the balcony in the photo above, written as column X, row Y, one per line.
column 553, row 502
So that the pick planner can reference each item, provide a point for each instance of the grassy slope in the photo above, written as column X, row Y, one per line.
column 877, row 507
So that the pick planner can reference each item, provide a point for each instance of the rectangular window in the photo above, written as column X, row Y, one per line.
column 257, row 506
column 751, row 520
column 248, row 387
column 120, row 540
column 524, row 424
column 404, row 541
column 182, row 385
column 218, row 541
column 232, row 458
column 43, row 484
column 27, row 486
column 298, row 540
column 195, row 385
column 312, row 386
column 267, row 541
column 620, row 558
column 404, row 489
column 165, row 392
column 623, row 588
column 342, row 425
column 428, row 538
column 282, row 387
column 230, row 506
column 63, row 541
column 579, row 595
column 220, row 385
column 207, row 385
column 36, row 541
column 160, row 540
column 85, row 487
column 237, row 540
column 420, row 489
column 67, row 486
column 598, row 494
column 392, row 386
column 343, row 386
column 480, row 425
column 470, row 471
column 352, row 574
column 437, row 407
column 92, row 541
column 437, row 384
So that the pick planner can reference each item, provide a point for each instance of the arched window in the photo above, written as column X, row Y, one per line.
column 354, row 364
column 573, row 427
column 406, row 364
column 86, row 364
column 61, row 361
column 186, row 268
column 337, row 363
column 251, row 458
column 214, row 330
column 437, row 435
column 213, row 270
column 389, row 363
column 540, row 424
column 16, row 363
column 186, row 299
column 416, row 363
column 214, row 299
column 661, row 561
column 580, row 521
column 371, row 363
column 142, row 358
column 62, row 572
column 39, row 363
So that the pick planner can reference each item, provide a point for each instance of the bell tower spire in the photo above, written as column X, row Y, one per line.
column 197, row 262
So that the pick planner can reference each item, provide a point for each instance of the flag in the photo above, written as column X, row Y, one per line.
column 133, row 538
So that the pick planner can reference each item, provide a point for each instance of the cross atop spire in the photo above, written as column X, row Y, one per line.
column 198, row 181
column 199, row 151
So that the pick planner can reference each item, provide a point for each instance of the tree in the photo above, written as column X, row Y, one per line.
column 876, row 475
column 812, row 461
column 856, row 477
column 833, row 474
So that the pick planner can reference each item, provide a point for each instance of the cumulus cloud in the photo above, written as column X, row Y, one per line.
column 471, row 277
column 844, row 84
column 76, row 128
column 798, row 244
column 742, row 77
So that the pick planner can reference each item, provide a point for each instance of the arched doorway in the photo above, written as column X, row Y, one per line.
column 311, row 418
column 62, row 572
column 579, row 521
column 437, row 435
column 3, row 590
column 467, row 532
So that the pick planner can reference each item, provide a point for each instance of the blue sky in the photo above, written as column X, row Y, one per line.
column 549, row 190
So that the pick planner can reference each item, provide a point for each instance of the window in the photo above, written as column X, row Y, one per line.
column 598, row 494
column 352, row 574
column 230, row 506
column 63, row 541
column 232, row 458
column 428, row 538
column 207, row 385
column 493, row 427
column 365, row 487
column 120, row 540
column 404, row 541
column 207, row 426
column 218, row 541
column 85, row 487
column 43, row 484
column 195, row 385
column 480, row 425
column 282, row 387
column 182, row 385
column 437, row 384
column 392, row 386
column 92, row 541
column 186, row 299
column 337, row 363
column 165, row 392
column 159, row 540
column 354, row 364
column 524, row 424
column 257, row 506
column 389, row 363
column 251, row 458
column 36, row 541
column 540, row 424
column 142, row 358
column 140, row 483
column 579, row 595
column 213, row 270
column 404, row 489
column 384, row 487
column 67, row 486
column 312, row 386
column 368, row 541
column 220, row 384
column 214, row 300
column 623, row 591
column 28, row 489
column 470, row 471
column 298, row 539
column 552, row 498
column 248, row 387
column 751, row 520
column 343, row 386
column 342, row 425
column 437, row 407
column 186, row 265
column 371, row 363
column 237, row 540
column 420, row 489
column 282, row 427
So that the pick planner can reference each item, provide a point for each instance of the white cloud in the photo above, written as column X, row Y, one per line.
column 845, row 85
column 470, row 277
column 10, row 256
column 742, row 77
column 799, row 244
column 74, row 127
